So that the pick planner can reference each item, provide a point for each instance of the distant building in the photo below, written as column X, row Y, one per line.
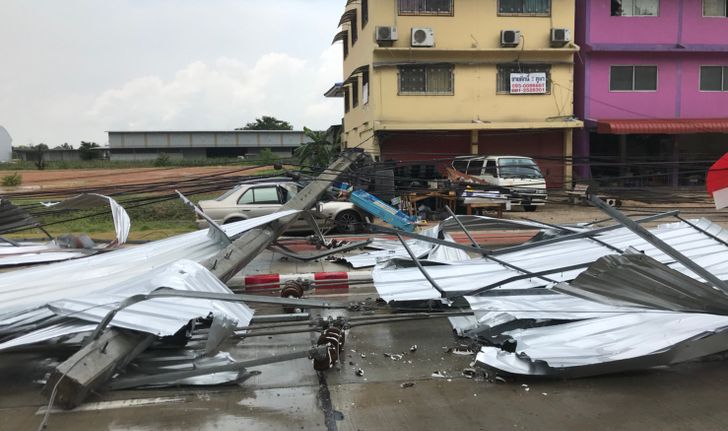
column 147, row 145
column 49, row 155
column 6, row 147
column 430, row 80
column 652, row 88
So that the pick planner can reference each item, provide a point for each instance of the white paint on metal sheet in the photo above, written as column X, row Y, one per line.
column 402, row 284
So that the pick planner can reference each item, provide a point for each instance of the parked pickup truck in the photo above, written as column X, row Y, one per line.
column 520, row 175
column 255, row 198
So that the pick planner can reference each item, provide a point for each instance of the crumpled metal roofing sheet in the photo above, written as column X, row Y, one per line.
column 390, row 249
column 122, row 223
column 409, row 283
column 492, row 312
column 163, row 316
column 48, row 333
column 33, row 287
column 43, row 257
column 604, row 343
column 637, row 279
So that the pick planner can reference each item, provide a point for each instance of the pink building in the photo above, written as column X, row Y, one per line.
column 652, row 88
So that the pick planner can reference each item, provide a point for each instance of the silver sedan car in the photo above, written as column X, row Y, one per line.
column 256, row 199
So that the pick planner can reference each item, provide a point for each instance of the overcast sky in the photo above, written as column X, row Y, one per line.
column 70, row 70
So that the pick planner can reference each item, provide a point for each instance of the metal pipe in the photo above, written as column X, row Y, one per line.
column 420, row 267
column 582, row 234
column 462, row 226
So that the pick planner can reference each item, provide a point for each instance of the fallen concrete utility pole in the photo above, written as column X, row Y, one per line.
column 91, row 367
column 237, row 255
column 658, row 243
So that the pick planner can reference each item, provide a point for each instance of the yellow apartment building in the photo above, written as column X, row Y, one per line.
column 432, row 79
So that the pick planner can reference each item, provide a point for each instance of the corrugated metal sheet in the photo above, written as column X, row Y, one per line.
column 636, row 279
column 494, row 312
column 122, row 223
column 34, row 287
column 160, row 317
column 49, row 333
column 610, row 344
column 461, row 277
column 393, row 249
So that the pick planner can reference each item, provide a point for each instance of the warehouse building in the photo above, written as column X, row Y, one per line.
column 198, row 145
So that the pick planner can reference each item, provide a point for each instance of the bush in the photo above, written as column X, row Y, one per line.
column 13, row 180
column 162, row 160
column 267, row 157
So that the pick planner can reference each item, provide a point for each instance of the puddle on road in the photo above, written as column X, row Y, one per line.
column 267, row 409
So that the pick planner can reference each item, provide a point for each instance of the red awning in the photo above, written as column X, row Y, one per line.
column 668, row 126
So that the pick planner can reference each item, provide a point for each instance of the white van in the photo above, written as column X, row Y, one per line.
column 518, row 174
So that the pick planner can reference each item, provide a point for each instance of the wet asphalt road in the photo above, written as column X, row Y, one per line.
column 293, row 396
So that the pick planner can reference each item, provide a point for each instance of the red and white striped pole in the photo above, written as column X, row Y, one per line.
column 319, row 280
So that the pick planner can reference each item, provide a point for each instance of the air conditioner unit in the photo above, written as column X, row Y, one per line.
column 386, row 35
column 560, row 36
column 423, row 36
column 510, row 38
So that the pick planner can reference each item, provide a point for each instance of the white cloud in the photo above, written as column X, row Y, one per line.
column 77, row 68
column 224, row 95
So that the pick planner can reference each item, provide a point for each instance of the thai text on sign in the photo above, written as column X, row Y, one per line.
column 528, row 83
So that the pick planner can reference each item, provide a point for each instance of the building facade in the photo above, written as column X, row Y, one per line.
column 6, row 145
column 198, row 145
column 652, row 88
column 432, row 79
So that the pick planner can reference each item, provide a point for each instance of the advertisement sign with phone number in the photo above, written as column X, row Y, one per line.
column 528, row 83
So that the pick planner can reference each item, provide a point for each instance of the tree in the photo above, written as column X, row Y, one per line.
column 318, row 153
column 65, row 146
column 86, row 150
column 39, row 150
column 267, row 123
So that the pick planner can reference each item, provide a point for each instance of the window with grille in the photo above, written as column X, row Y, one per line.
column 524, row 7
column 633, row 78
column 503, row 77
column 365, row 87
column 713, row 78
column 364, row 13
column 346, row 99
column 426, row 79
column 425, row 7
column 717, row 8
column 635, row 7
column 354, row 92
